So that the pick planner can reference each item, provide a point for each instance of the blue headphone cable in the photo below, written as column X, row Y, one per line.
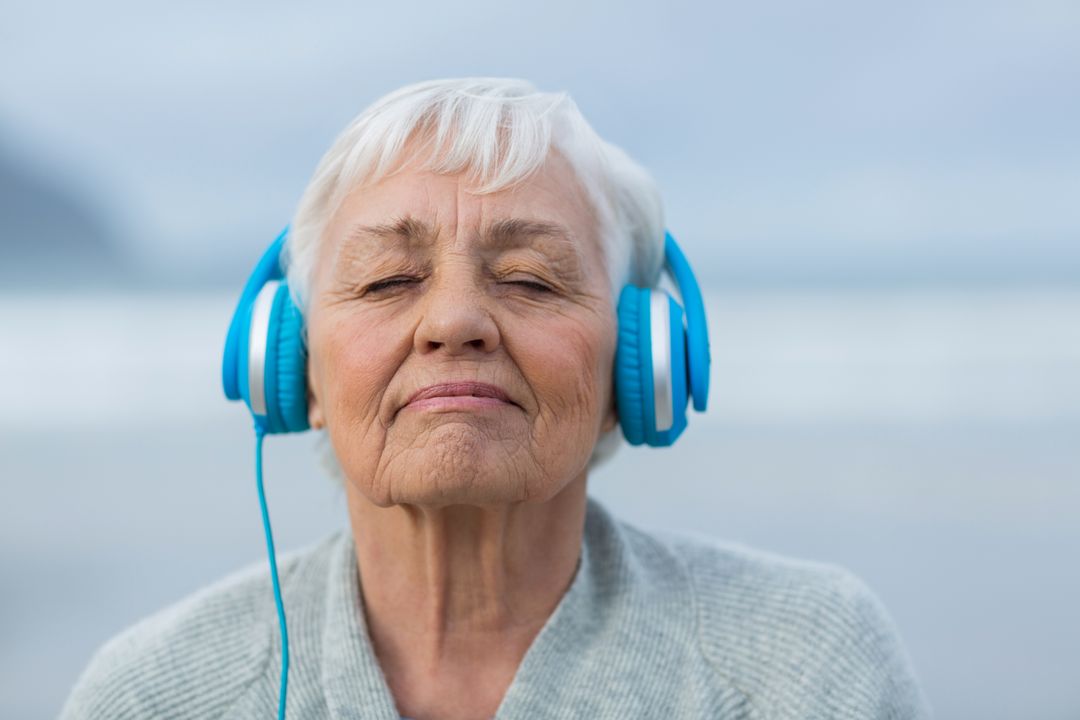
column 259, row 433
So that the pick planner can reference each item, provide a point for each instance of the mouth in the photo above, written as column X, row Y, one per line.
column 459, row 396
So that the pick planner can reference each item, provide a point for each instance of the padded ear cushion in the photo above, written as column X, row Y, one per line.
column 239, row 355
column 286, row 397
column 631, row 384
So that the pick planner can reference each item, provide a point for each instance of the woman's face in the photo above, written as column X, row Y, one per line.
column 419, row 283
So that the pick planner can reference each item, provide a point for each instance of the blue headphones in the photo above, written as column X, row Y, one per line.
column 659, row 362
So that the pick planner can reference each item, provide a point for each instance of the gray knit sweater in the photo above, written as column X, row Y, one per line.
column 654, row 625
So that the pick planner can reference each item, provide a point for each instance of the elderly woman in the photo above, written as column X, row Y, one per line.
column 456, row 319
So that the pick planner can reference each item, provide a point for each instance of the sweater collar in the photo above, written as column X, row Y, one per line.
column 579, row 627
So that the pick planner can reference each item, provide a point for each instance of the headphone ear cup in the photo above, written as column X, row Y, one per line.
column 636, row 388
column 286, row 366
column 631, row 383
column 678, row 374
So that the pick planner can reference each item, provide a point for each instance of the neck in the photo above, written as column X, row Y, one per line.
column 459, row 592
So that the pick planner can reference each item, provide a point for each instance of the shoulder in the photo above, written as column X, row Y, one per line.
column 800, row 638
column 195, row 657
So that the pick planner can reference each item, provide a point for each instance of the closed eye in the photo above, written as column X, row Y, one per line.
column 532, row 285
column 388, row 283
column 400, row 280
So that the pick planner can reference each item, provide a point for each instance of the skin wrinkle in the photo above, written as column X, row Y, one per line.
column 467, row 524
column 551, row 238
column 560, row 271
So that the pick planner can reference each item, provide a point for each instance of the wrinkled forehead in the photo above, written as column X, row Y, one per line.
column 415, row 208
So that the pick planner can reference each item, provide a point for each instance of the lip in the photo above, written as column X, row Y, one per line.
column 471, row 394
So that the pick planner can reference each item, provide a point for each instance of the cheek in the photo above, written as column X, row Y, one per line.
column 570, row 371
column 355, row 365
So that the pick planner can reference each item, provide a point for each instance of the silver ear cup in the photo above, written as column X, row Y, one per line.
column 660, row 340
column 260, row 328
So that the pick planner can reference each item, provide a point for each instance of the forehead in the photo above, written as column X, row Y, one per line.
column 549, row 209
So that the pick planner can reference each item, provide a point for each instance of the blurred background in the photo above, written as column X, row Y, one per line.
column 882, row 201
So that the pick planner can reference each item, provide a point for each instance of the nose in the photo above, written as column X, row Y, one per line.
column 457, row 317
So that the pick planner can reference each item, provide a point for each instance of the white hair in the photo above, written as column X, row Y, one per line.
column 499, row 131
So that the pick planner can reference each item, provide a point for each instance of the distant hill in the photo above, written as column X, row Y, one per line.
column 50, row 236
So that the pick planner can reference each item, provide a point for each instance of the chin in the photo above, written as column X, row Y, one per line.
column 462, row 462
column 455, row 491
column 457, row 463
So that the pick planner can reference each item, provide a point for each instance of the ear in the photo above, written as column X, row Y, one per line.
column 611, row 416
column 315, row 414
column 315, row 418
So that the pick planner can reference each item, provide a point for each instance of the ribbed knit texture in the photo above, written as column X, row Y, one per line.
column 655, row 624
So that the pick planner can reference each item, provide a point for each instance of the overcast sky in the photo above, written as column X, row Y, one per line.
column 791, row 140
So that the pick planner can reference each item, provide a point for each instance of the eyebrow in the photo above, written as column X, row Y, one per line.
column 508, row 232
column 403, row 228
